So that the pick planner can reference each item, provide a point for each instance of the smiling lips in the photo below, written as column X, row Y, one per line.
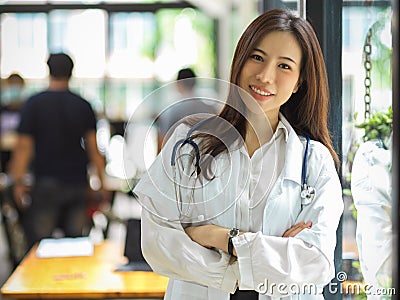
column 260, row 92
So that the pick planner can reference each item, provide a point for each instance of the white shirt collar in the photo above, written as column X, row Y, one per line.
column 284, row 125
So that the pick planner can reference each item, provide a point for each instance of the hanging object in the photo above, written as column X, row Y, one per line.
column 367, row 80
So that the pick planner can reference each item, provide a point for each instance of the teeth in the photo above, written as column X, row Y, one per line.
column 262, row 93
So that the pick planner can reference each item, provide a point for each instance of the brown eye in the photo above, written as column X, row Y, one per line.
column 256, row 57
column 284, row 66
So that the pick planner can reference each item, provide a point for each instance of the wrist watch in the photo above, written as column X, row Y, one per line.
column 231, row 234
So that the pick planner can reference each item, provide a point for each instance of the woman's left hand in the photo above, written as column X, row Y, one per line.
column 295, row 229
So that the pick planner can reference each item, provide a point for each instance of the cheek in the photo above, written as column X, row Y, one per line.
column 246, row 71
column 242, row 79
column 242, row 73
column 290, row 84
column 296, row 85
column 293, row 86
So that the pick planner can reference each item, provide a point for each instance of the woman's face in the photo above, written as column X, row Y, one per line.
column 271, row 73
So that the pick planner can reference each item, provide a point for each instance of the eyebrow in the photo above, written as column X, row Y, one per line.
column 282, row 57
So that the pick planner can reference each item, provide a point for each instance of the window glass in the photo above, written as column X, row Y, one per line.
column 132, row 42
column 119, row 57
column 23, row 44
column 82, row 34
column 185, row 38
column 367, row 97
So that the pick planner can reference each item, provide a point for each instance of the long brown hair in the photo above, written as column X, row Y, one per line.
column 307, row 109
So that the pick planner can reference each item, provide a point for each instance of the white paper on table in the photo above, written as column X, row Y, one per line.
column 64, row 247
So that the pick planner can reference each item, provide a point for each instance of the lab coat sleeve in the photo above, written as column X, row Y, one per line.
column 165, row 245
column 170, row 252
column 266, row 261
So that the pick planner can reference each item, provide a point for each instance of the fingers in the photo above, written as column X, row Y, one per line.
column 295, row 229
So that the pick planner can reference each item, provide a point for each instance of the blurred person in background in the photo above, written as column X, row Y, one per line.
column 12, row 98
column 189, row 101
column 56, row 142
column 13, row 93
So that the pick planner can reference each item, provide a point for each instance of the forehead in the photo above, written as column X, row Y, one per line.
column 280, row 43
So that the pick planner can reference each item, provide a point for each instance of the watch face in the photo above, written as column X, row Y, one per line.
column 234, row 232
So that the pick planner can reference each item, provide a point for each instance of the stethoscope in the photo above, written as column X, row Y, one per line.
column 307, row 193
column 177, row 189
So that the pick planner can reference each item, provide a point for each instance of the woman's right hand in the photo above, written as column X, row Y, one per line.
column 295, row 229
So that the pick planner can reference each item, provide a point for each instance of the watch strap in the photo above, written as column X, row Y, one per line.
column 230, row 246
column 231, row 234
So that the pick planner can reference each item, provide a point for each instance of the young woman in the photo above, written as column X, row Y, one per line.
column 250, row 200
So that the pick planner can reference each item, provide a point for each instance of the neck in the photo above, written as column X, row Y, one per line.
column 260, row 129
column 273, row 119
column 56, row 84
column 263, row 124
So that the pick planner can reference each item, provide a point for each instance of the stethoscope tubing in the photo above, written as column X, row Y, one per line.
column 307, row 192
column 304, row 167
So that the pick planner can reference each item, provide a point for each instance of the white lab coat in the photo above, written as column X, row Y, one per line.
column 265, row 259
column 371, row 187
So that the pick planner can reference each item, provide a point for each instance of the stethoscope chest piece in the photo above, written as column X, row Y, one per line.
column 307, row 194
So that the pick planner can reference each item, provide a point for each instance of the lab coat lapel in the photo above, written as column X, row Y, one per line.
column 288, row 184
column 293, row 156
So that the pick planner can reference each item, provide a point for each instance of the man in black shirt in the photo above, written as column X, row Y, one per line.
column 57, row 139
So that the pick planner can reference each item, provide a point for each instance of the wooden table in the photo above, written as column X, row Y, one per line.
column 91, row 277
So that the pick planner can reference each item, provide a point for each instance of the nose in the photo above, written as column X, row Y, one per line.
column 266, row 74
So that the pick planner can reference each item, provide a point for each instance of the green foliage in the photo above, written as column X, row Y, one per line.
column 353, row 210
column 379, row 126
column 347, row 192
column 203, row 26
